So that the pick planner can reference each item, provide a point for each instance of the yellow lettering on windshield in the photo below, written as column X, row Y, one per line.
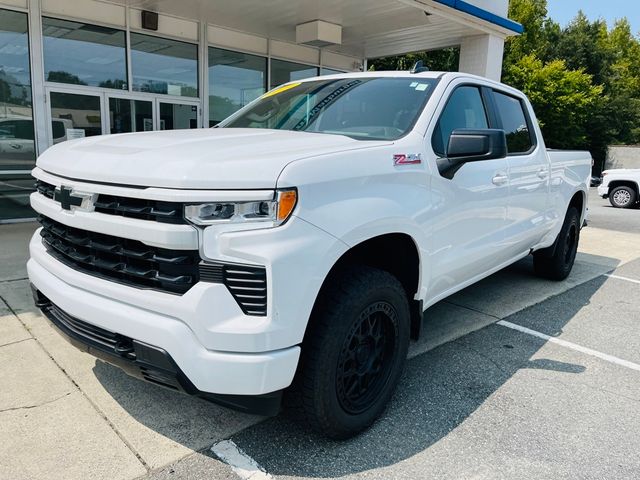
column 281, row 89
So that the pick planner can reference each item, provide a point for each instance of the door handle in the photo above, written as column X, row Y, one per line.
column 543, row 173
column 500, row 179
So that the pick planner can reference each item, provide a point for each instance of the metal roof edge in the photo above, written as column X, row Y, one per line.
column 482, row 14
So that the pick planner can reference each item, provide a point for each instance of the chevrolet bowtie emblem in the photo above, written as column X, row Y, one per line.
column 67, row 199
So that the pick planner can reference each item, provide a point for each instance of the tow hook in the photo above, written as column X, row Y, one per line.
column 125, row 348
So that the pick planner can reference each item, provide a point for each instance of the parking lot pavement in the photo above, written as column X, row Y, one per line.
column 602, row 214
column 478, row 399
column 14, row 250
column 493, row 404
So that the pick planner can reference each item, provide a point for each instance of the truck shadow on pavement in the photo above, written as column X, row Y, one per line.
column 439, row 394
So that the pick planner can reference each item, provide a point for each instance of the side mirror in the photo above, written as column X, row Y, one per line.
column 466, row 145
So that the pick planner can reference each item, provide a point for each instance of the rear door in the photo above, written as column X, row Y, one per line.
column 528, row 172
column 469, row 217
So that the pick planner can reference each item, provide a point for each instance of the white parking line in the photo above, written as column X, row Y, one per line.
column 618, row 277
column 242, row 464
column 571, row 345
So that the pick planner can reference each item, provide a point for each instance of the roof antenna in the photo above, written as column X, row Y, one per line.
column 419, row 67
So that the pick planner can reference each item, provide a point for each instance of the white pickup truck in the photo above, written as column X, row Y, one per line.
column 621, row 186
column 296, row 246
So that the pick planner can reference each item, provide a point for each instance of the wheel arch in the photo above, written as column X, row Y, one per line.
column 579, row 201
column 624, row 183
column 396, row 253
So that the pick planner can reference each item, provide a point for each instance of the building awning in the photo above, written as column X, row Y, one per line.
column 369, row 28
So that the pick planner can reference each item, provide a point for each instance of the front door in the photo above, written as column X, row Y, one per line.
column 469, row 217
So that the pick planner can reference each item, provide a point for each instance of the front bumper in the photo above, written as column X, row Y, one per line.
column 603, row 191
column 144, row 361
column 210, row 371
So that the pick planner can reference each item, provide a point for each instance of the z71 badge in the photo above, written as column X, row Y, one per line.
column 407, row 159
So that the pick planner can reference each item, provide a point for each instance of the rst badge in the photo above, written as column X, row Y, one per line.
column 400, row 159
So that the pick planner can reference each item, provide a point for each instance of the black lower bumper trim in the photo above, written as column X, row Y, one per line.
column 144, row 361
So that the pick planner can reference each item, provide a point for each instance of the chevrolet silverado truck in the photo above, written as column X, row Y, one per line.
column 621, row 186
column 291, row 251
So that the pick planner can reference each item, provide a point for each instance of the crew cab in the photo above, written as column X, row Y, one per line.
column 621, row 186
column 293, row 249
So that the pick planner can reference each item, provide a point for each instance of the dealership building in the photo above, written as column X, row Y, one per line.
column 77, row 68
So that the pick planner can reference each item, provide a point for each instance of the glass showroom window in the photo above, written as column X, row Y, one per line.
column 160, row 65
column 17, row 145
column 283, row 72
column 235, row 79
column 84, row 54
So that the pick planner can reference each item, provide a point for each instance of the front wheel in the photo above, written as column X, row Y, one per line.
column 623, row 197
column 354, row 351
column 556, row 262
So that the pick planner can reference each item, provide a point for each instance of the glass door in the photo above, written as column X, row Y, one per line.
column 78, row 113
column 178, row 115
column 74, row 115
column 130, row 115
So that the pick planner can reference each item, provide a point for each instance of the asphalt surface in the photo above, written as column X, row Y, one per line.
column 603, row 215
column 492, row 404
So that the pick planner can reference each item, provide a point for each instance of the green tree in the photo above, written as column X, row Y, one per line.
column 445, row 60
column 539, row 31
column 583, row 44
column 562, row 98
column 622, row 83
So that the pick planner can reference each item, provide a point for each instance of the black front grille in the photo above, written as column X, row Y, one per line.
column 45, row 189
column 126, row 261
column 164, row 212
column 247, row 284
column 155, row 210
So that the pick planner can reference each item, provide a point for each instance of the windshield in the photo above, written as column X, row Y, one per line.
column 371, row 108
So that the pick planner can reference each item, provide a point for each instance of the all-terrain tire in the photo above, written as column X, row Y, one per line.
column 354, row 351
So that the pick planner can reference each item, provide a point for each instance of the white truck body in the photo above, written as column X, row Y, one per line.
column 349, row 192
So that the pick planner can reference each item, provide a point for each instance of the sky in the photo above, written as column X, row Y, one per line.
column 563, row 11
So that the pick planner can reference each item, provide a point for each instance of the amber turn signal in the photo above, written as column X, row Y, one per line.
column 287, row 200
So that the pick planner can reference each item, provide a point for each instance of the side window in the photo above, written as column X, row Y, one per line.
column 514, row 123
column 464, row 109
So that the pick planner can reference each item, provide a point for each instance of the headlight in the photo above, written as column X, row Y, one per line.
column 274, row 212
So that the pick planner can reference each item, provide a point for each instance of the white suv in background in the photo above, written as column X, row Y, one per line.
column 621, row 187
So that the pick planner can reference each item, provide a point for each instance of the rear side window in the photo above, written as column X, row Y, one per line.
column 464, row 109
column 514, row 123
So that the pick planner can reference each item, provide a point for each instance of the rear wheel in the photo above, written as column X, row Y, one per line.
column 354, row 351
column 556, row 262
column 623, row 197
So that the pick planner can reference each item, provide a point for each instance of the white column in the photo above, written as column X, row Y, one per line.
column 38, row 95
column 482, row 55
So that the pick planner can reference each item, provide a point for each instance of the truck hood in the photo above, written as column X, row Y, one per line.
column 211, row 158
